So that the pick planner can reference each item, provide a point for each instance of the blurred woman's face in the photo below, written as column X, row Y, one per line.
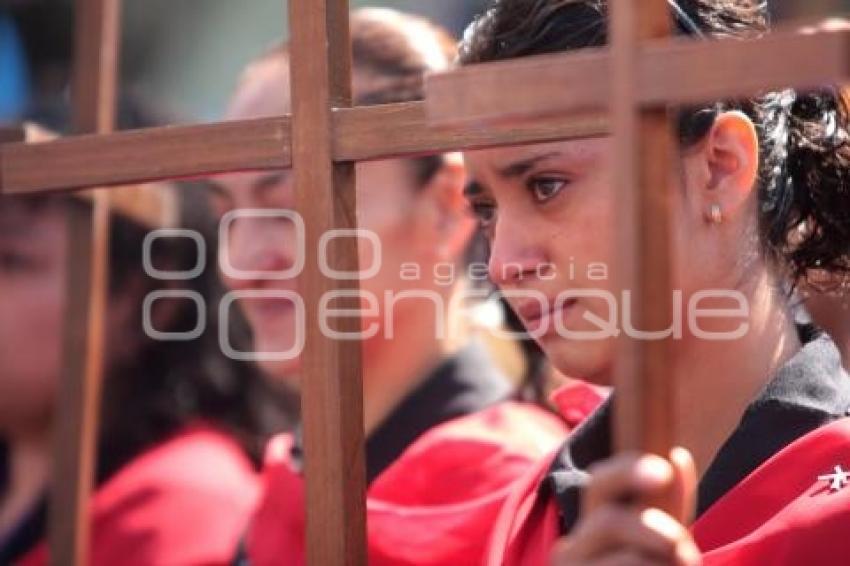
column 389, row 205
column 33, row 254
column 261, row 237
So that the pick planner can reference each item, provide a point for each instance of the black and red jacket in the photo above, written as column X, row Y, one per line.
column 761, row 501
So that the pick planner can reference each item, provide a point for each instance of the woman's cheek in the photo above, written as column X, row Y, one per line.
column 31, row 337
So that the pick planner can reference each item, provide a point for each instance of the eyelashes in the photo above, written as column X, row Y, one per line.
column 542, row 189
column 545, row 188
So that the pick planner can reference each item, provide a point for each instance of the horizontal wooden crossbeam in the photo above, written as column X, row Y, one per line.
column 9, row 134
column 398, row 130
column 364, row 133
column 581, row 81
column 457, row 102
column 143, row 155
column 76, row 419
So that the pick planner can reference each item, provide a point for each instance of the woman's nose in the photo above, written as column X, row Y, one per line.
column 255, row 250
column 514, row 257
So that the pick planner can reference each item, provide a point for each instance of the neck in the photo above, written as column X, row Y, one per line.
column 29, row 463
column 719, row 379
column 832, row 314
column 841, row 337
column 845, row 354
column 395, row 367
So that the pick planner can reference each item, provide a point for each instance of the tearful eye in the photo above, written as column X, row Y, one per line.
column 485, row 212
column 546, row 188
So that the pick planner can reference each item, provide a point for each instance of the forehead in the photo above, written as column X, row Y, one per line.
column 385, row 179
column 495, row 161
column 264, row 88
column 262, row 92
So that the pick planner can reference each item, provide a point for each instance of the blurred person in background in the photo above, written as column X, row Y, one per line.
column 445, row 437
column 181, row 426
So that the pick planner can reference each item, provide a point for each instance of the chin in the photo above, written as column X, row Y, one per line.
column 279, row 370
column 588, row 360
column 287, row 373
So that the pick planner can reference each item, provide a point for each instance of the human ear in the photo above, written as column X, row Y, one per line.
column 731, row 157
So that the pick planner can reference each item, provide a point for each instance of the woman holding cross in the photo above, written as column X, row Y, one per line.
column 445, row 439
column 761, row 199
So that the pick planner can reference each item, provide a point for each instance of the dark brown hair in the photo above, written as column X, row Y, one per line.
column 804, row 175
column 160, row 387
column 168, row 385
column 396, row 50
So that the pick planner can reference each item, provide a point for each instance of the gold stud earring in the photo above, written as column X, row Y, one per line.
column 715, row 214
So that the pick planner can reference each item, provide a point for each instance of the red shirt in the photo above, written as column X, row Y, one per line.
column 780, row 514
column 762, row 500
column 183, row 502
column 436, row 504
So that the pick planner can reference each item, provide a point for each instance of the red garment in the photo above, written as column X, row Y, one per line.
column 781, row 514
column 577, row 400
column 435, row 505
column 185, row 502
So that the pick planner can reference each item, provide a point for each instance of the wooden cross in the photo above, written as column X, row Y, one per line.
column 636, row 80
column 78, row 408
column 573, row 97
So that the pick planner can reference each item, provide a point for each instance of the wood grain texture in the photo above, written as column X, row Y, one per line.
column 332, row 390
column 360, row 134
column 8, row 135
column 145, row 155
column 643, row 152
column 474, row 107
column 582, row 81
column 398, row 130
column 78, row 406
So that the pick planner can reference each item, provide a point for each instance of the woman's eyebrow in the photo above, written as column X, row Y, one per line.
column 520, row 168
column 271, row 181
column 258, row 187
column 216, row 188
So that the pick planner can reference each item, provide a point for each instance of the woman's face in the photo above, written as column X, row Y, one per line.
column 547, row 211
column 550, row 214
column 33, row 253
column 405, row 218
column 254, row 243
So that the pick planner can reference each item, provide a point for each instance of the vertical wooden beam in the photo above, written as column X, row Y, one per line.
column 9, row 134
column 643, row 153
column 78, row 404
column 332, row 403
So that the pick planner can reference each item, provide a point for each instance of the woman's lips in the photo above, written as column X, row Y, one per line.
column 539, row 319
column 267, row 309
